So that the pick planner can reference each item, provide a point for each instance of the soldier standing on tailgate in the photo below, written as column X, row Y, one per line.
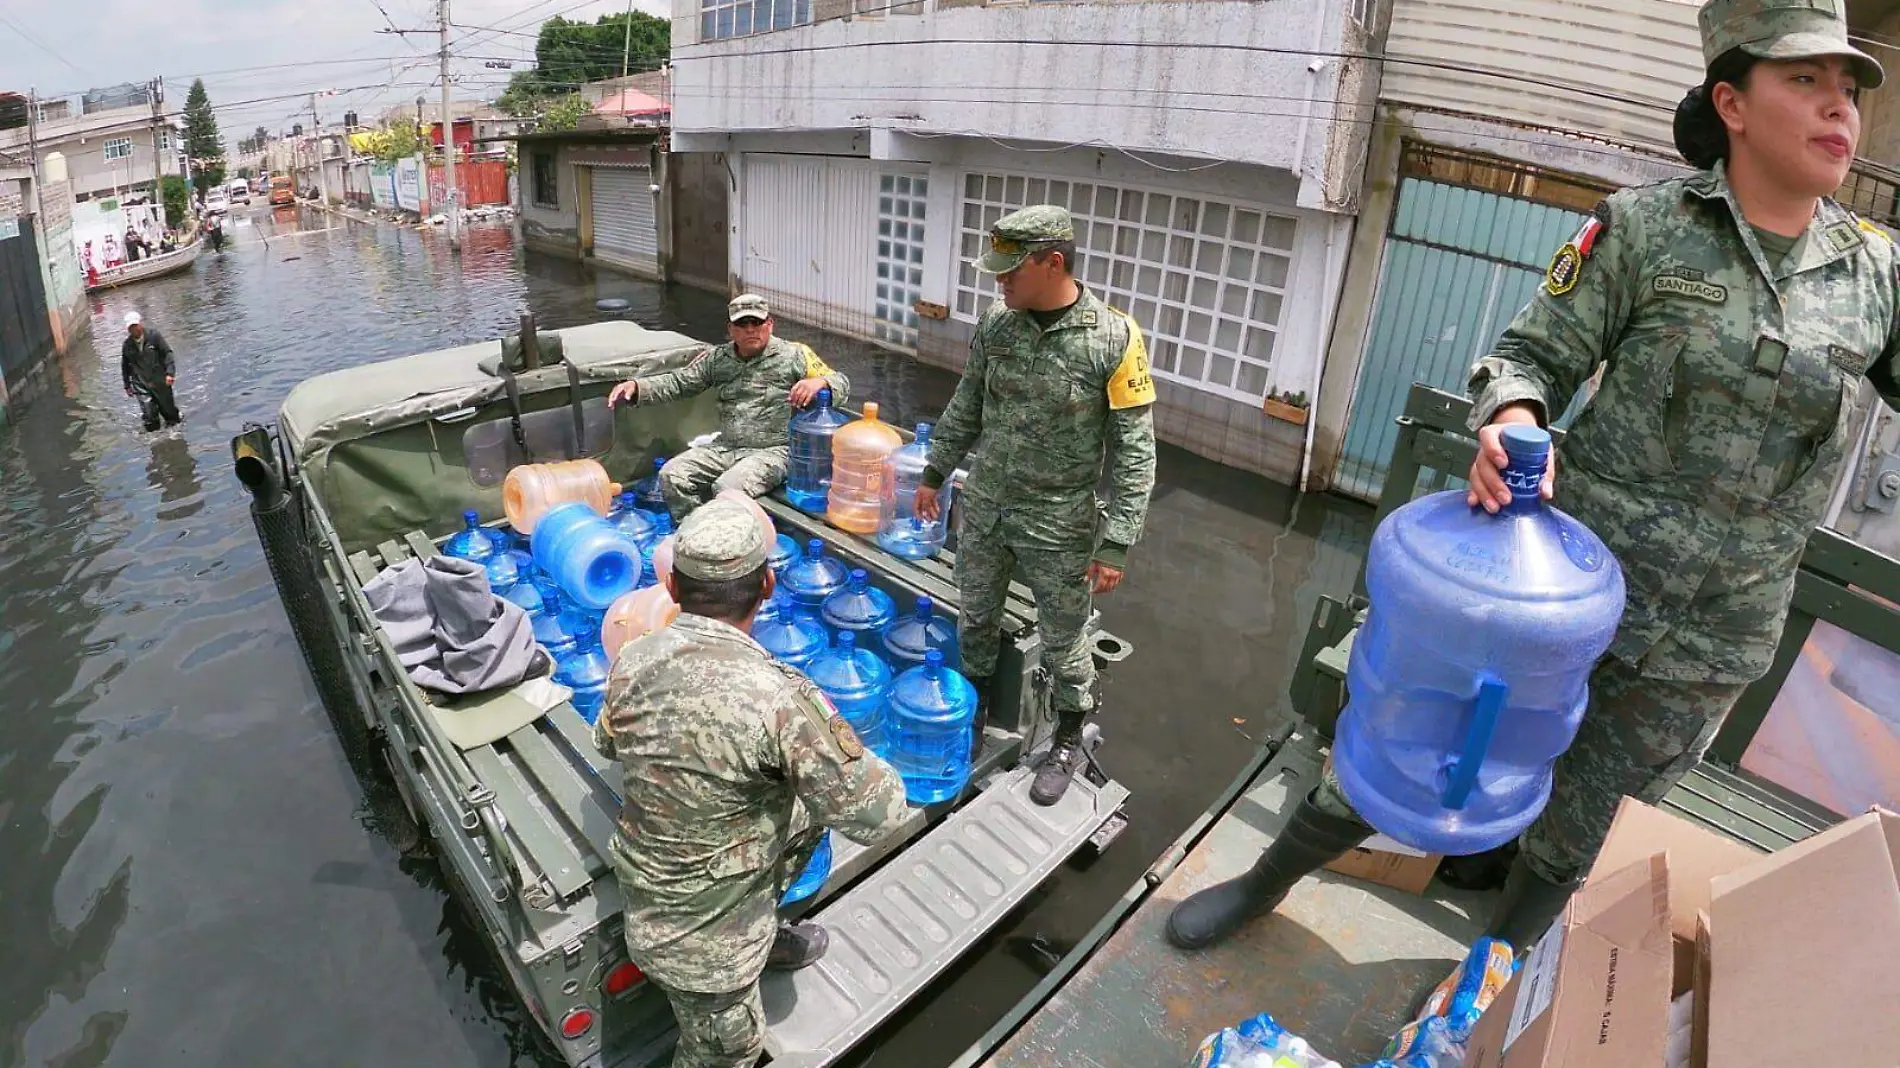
column 1056, row 389
column 760, row 379
column 735, row 764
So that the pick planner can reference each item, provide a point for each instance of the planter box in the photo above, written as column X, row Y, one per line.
column 1282, row 410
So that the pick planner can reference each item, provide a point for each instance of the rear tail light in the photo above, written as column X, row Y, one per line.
column 577, row 1023
column 622, row 979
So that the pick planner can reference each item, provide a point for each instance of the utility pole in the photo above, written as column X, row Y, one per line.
column 33, row 155
column 451, row 192
column 157, row 93
column 626, row 43
column 323, row 175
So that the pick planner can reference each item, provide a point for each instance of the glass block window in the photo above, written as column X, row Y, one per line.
column 1205, row 278
column 900, row 256
column 738, row 18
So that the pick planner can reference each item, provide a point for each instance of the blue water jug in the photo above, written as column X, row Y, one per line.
column 814, row 576
column 525, row 593
column 929, row 732
column 591, row 561
column 789, row 632
column 585, row 668
column 899, row 529
column 812, row 879
column 633, row 521
column 808, row 476
column 651, row 499
column 1470, row 674
column 473, row 542
column 552, row 623
column 858, row 684
column 784, row 551
column 910, row 636
column 859, row 607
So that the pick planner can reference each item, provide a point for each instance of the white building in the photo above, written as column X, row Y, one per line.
column 108, row 150
column 1211, row 152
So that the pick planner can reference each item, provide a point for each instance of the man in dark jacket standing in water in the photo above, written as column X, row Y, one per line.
column 146, row 363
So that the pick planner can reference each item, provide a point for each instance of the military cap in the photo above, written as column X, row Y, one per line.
column 1020, row 233
column 721, row 540
column 748, row 306
column 1784, row 29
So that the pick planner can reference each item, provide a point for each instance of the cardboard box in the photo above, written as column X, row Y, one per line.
column 1804, row 953
column 1388, row 863
column 1595, row 991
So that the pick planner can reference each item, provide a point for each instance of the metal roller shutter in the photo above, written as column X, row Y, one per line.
column 624, row 229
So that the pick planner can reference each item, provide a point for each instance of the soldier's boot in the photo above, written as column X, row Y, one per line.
column 1529, row 904
column 1058, row 767
column 983, row 686
column 797, row 945
column 1312, row 838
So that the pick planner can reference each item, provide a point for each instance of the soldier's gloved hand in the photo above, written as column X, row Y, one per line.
column 1487, row 471
column 624, row 393
column 928, row 507
column 1103, row 577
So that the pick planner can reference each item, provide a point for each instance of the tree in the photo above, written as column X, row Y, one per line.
column 568, row 55
column 396, row 140
column 176, row 196
column 203, row 143
column 564, row 113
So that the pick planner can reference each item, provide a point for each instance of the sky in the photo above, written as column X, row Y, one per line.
column 260, row 59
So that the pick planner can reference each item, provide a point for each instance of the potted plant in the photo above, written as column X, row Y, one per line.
column 1287, row 405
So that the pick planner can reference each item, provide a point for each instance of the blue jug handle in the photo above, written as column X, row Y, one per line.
column 1484, row 723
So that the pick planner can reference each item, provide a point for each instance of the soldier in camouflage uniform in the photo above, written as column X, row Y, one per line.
column 1735, row 313
column 760, row 379
column 1056, row 388
column 734, row 766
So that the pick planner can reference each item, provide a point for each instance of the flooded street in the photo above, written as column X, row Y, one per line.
column 192, row 874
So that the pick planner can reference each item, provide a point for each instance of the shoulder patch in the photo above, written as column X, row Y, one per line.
column 1131, row 385
column 848, row 741
column 1567, row 265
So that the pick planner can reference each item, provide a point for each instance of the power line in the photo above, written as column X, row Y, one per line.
column 41, row 45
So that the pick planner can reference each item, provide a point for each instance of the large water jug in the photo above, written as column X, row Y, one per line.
column 899, row 530
column 859, row 607
column 552, row 622
column 641, row 612
column 784, row 550
column 1470, row 674
column 526, row 592
column 858, row 684
column 814, row 576
column 858, row 452
column 651, row 499
column 633, row 521
column 911, row 636
column 503, row 572
column 591, row 561
column 585, row 669
column 531, row 489
column 789, row 632
column 930, row 730
column 809, row 881
column 808, row 476
column 473, row 541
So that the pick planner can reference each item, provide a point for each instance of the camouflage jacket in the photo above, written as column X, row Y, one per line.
column 755, row 406
column 733, row 764
column 1045, row 409
column 1709, row 450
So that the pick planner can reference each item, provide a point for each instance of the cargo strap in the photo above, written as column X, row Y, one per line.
column 513, row 389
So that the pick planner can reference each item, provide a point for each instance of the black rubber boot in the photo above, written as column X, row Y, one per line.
column 798, row 945
column 1528, row 906
column 1058, row 768
column 1310, row 840
column 983, row 685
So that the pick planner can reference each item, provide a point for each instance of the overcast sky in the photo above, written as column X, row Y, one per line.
column 61, row 47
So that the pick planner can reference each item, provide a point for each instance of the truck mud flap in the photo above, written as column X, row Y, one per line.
column 902, row 926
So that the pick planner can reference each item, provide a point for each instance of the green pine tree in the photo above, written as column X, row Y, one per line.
column 202, row 141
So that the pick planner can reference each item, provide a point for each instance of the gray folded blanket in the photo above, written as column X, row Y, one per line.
column 451, row 633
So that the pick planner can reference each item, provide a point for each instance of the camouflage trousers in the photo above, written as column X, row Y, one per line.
column 691, row 478
column 718, row 1030
column 1639, row 737
column 1059, row 579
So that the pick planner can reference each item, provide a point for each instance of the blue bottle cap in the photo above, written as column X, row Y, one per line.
column 659, row 462
column 824, row 397
column 847, row 640
column 923, row 606
column 472, row 517
column 858, row 577
column 934, row 658
column 923, row 430
column 1525, row 442
column 815, row 548
column 627, row 498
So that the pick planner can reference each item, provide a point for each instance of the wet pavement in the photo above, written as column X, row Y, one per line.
column 193, row 872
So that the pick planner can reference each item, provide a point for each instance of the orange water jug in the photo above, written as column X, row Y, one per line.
column 858, row 452
column 640, row 612
column 531, row 489
column 766, row 525
column 663, row 559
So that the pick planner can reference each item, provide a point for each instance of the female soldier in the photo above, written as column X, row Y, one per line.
column 1737, row 310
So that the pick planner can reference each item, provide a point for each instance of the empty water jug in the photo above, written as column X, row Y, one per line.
column 530, row 490
column 661, row 561
column 812, row 879
column 814, row 576
column 525, row 593
column 858, row 451
column 633, row 521
column 473, row 541
column 917, row 632
column 900, row 531
column 591, row 561
column 784, row 550
column 1471, row 672
column 859, row 685
column 553, row 624
column 503, row 572
column 641, row 612
column 808, row 474
column 859, row 607
column 930, row 730
column 789, row 631
column 585, row 669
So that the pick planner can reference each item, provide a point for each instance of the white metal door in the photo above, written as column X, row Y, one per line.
column 810, row 233
column 624, row 229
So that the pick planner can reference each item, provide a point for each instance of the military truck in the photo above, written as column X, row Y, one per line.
column 370, row 466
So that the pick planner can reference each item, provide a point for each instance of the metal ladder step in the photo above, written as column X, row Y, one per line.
column 901, row 927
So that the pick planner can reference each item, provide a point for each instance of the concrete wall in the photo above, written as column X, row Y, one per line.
column 702, row 191
column 553, row 230
column 1880, row 108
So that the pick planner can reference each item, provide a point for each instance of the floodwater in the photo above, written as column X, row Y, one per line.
column 191, row 871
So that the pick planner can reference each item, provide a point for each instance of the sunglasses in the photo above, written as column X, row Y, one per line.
column 748, row 323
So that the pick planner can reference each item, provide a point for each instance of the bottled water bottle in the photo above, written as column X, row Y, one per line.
column 812, row 879
column 591, row 561
column 473, row 541
column 858, row 452
column 784, row 551
column 813, row 577
column 1471, row 672
column 503, row 573
column 933, row 710
column 859, row 607
column 787, row 631
column 525, row 593
column 651, row 499
column 858, row 684
column 554, row 623
column 630, row 519
column 909, row 637
column 585, row 668
column 808, row 476
column 899, row 530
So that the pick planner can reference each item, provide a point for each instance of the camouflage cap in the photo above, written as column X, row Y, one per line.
column 721, row 540
column 1784, row 29
column 1020, row 233
column 748, row 306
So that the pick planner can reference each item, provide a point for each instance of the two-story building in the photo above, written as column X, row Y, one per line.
column 112, row 144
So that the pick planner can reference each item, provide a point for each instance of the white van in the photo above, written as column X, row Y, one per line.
column 239, row 191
